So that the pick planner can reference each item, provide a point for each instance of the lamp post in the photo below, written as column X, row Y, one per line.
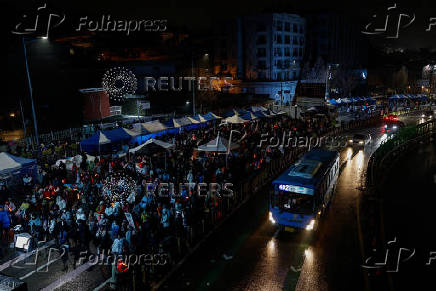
column 35, row 124
column 193, row 89
column 206, row 58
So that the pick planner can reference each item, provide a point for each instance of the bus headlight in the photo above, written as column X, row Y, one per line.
column 271, row 218
column 310, row 225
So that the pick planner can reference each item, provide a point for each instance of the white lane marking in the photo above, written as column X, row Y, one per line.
column 24, row 256
column 39, row 268
column 68, row 277
column 103, row 284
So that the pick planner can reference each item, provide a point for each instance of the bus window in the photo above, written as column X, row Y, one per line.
column 293, row 202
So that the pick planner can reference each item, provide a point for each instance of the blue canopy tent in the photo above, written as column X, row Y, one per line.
column 256, row 108
column 249, row 116
column 12, row 166
column 230, row 113
column 147, row 130
column 200, row 118
column 191, row 123
column 211, row 116
column 423, row 98
column 370, row 100
column 97, row 143
column 260, row 114
column 120, row 134
column 175, row 125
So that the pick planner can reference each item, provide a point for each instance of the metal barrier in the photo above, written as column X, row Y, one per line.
column 379, row 163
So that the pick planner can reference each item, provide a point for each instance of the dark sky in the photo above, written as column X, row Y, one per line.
column 190, row 15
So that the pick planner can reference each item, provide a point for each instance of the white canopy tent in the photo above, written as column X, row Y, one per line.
column 235, row 119
column 160, row 143
column 218, row 144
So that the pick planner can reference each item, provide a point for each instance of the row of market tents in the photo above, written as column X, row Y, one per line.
column 352, row 100
column 108, row 140
column 370, row 101
column 402, row 97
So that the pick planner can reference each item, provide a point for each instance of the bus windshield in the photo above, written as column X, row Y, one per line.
column 292, row 202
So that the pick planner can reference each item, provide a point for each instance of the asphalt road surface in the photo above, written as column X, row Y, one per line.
column 262, row 258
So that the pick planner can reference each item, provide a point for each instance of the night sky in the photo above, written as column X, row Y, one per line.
column 48, row 62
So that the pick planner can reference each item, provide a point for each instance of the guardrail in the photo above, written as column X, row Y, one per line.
column 380, row 161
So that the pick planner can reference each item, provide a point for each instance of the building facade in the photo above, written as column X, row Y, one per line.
column 264, row 51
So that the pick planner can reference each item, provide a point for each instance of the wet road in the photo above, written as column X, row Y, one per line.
column 261, row 258
column 264, row 259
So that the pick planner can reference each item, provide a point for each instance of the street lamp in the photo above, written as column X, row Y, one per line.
column 206, row 56
column 35, row 124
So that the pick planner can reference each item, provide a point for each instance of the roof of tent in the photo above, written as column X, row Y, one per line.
column 257, row 108
column 260, row 114
column 98, row 138
column 218, row 144
column 173, row 123
column 153, row 141
column 200, row 118
column 10, row 162
column 211, row 116
column 249, row 116
column 119, row 134
column 230, row 113
column 184, row 121
column 150, row 126
column 234, row 119
column 192, row 120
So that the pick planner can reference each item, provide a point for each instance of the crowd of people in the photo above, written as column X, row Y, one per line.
column 118, row 206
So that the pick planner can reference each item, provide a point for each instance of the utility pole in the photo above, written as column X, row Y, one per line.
column 193, row 87
column 22, row 118
column 30, row 93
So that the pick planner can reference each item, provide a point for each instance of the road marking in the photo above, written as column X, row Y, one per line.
column 103, row 284
column 68, row 277
column 41, row 267
column 25, row 255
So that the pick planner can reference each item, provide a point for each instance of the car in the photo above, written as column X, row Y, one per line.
column 391, row 117
column 392, row 127
column 360, row 140
column 428, row 114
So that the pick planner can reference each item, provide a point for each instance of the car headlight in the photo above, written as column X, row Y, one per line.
column 423, row 115
column 386, row 126
column 350, row 140
column 271, row 218
column 310, row 225
column 360, row 142
column 395, row 127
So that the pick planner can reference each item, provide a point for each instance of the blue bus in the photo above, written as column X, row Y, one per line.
column 301, row 194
